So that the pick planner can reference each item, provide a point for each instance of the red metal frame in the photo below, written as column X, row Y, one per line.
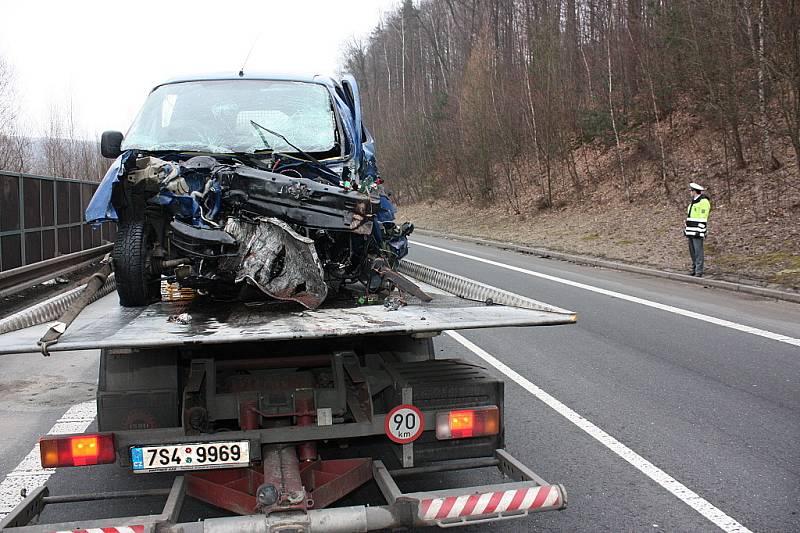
column 308, row 485
column 304, row 407
column 329, row 481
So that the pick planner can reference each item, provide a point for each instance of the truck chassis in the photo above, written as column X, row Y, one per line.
column 291, row 384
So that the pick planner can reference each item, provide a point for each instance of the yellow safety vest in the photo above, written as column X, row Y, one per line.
column 697, row 217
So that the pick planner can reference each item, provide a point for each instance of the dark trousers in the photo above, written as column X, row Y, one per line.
column 696, row 252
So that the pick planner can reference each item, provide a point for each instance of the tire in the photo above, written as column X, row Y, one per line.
column 136, row 286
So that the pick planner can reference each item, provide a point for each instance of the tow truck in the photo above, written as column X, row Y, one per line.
column 246, row 403
column 275, row 410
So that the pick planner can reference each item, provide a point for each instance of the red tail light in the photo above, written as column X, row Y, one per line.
column 77, row 450
column 464, row 423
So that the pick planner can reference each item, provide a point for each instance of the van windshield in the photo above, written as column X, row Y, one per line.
column 214, row 116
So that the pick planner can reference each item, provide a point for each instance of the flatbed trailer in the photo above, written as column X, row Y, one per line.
column 247, row 402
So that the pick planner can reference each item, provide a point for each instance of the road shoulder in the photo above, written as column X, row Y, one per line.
column 745, row 286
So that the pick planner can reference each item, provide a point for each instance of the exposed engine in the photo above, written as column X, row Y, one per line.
column 290, row 227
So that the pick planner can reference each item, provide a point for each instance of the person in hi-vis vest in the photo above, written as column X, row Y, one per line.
column 697, row 226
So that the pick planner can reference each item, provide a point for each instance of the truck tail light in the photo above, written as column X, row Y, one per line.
column 465, row 423
column 77, row 450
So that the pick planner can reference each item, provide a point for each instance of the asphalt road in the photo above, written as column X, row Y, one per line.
column 712, row 407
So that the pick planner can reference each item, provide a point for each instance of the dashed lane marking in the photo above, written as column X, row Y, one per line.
column 628, row 298
column 29, row 473
column 685, row 494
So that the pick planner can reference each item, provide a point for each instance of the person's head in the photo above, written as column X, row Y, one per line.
column 696, row 189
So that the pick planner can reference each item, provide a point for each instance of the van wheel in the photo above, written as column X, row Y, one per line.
column 136, row 285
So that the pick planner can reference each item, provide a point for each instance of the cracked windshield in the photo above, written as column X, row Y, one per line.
column 215, row 116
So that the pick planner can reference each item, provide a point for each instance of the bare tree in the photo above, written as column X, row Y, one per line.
column 486, row 100
column 625, row 184
column 67, row 151
column 768, row 161
column 14, row 146
column 783, row 64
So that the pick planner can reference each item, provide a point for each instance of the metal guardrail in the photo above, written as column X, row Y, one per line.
column 18, row 279
column 41, row 218
column 52, row 308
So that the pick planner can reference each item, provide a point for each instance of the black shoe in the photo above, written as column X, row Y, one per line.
column 691, row 273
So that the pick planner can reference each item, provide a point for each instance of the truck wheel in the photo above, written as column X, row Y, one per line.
column 136, row 285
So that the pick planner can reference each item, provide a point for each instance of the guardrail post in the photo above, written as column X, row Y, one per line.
column 41, row 223
column 56, row 230
column 21, row 214
column 80, row 208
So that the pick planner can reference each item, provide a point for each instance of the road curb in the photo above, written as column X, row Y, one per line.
column 586, row 260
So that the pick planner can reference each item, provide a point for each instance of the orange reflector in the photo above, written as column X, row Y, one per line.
column 77, row 450
column 462, row 423
column 465, row 423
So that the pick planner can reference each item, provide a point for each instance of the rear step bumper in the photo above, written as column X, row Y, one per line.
column 527, row 493
column 488, row 503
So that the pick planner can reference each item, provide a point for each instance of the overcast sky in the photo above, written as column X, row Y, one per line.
column 106, row 55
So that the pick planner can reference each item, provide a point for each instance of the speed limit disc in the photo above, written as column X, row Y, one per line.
column 404, row 424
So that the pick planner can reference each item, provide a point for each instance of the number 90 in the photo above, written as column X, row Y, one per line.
column 409, row 420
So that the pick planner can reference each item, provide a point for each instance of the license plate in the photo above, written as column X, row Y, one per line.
column 200, row 456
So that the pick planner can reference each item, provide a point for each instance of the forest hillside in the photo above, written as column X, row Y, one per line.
column 577, row 124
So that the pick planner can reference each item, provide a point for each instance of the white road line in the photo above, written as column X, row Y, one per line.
column 29, row 474
column 688, row 496
column 649, row 303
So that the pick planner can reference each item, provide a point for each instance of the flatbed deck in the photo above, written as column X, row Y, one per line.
column 458, row 303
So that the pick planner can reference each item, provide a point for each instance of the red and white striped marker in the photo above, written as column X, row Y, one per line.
column 120, row 529
column 544, row 497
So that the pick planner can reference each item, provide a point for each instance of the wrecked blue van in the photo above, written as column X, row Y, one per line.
column 248, row 186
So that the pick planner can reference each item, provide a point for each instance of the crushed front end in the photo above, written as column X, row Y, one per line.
column 213, row 200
